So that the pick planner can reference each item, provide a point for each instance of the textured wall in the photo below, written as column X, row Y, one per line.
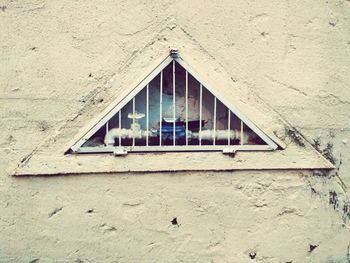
column 59, row 57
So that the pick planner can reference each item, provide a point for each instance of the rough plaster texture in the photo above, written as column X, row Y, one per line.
column 61, row 60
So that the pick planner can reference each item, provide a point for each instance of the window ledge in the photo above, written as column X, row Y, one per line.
column 293, row 157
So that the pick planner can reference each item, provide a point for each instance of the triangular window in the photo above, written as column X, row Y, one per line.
column 172, row 110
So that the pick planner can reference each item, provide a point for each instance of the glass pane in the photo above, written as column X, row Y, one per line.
column 235, row 127
column 154, row 110
column 250, row 137
column 222, row 133
column 207, row 117
column 193, row 110
column 96, row 140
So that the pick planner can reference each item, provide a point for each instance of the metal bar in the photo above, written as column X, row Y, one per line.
column 200, row 112
column 214, row 121
column 133, row 121
column 107, row 129
column 186, row 94
column 229, row 127
column 174, row 108
column 160, row 107
column 120, row 127
column 241, row 132
column 147, row 113
column 176, row 148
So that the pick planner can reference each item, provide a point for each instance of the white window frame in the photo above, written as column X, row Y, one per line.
column 117, row 105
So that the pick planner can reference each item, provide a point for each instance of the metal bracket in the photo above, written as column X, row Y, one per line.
column 229, row 151
column 174, row 53
column 120, row 151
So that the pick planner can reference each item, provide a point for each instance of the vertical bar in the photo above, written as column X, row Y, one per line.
column 160, row 107
column 229, row 127
column 186, row 94
column 174, row 109
column 133, row 121
column 200, row 112
column 107, row 129
column 214, row 121
column 147, row 113
column 120, row 127
column 241, row 132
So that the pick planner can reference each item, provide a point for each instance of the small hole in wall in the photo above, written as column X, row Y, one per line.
column 174, row 221
column 252, row 255
column 312, row 247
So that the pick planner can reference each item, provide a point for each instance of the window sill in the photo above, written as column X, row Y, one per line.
column 293, row 157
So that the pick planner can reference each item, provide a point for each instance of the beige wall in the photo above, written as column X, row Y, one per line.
column 293, row 55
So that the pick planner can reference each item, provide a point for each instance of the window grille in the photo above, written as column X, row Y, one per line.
column 172, row 110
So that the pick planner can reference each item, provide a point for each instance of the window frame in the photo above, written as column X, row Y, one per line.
column 118, row 104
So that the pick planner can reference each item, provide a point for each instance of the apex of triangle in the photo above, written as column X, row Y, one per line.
column 174, row 52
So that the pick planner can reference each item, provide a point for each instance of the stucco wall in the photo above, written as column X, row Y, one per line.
column 58, row 57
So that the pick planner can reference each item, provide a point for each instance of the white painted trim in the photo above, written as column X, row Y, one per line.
column 200, row 111
column 174, row 103
column 186, row 94
column 171, row 148
column 147, row 113
column 160, row 107
column 229, row 127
